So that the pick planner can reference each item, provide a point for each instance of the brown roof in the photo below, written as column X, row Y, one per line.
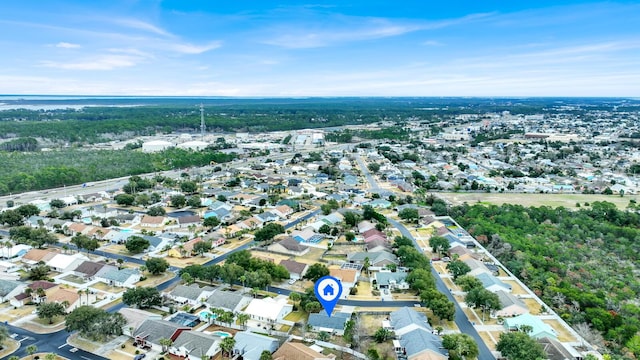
column 291, row 244
column 190, row 219
column 293, row 266
column 298, row 351
column 188, row 246
column 77, row 227
column 62, row 295
column 38, row 254
column 372, row 232
column 442, row 230
column 345, row 275
column 375, row 243
column 152, row 219
column 41, row 284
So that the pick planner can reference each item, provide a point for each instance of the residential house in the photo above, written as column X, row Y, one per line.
column 364, row 226
column 63, row 295
column 63, row 262
column 195, row 345
column 333, row 324
column 221, row 213
column 420, row 344
column 407, row 319
column 492, row 283
column 374, row 234
column 289, row 246
column 189, row 220
column 14, row 251
column 510, row 305
column 34, row 256
column 184, row 250
column 477, row 267
column 296, row 269
column 75, row 228
column 267, row 216
column 134, row 318
column 299, row 351
column 190, row 294
column 377, row 260
column 377, row 245
column 22, row 298
column 126, row 277
column 555, row 350
column 152, row 221
column 348, row 278
column 307, row 235
column 416, row 339
column 283, row 211
column 9, row 289
column 269, row 310
column 88, row 269
column 391, row 280
column 539, row 328
column 251, row 345
column 233, row 301
column 380, row 204
column 151, row 331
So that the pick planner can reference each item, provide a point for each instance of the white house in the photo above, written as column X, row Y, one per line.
column 63, row 262
column 269, row 310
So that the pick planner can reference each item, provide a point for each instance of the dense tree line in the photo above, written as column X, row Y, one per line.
column 100, row 123
column 44, row 170
column 583, row 263
column 20, row 144
column 239, row 267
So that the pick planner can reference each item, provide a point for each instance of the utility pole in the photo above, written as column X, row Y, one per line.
column 203, row 126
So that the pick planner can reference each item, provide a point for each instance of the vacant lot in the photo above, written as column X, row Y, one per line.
column 554, row 200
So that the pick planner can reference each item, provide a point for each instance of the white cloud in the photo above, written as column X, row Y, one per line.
column 141, row 25
column 432, row 43
column 66, row 45
column 186, row 48
column 103, row 62
column 343, row 29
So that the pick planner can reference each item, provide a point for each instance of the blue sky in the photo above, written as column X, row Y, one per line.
column 320, row 48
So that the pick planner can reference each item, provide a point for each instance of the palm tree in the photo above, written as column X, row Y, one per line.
column 165, row 343
column 87, row 291
column 50, row 356
column 31, row 349
column 242, row 319
column 42, row 295
column 226, row 345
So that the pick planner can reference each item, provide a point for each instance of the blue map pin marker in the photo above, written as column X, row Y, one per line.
column 328, row 290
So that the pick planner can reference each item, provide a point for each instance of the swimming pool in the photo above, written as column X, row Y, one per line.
column 126, row 230
column 207, row 315
column 221, row 334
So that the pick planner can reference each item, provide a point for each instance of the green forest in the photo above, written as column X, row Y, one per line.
column 49, row 169
column 583, row 263
column 148, row 116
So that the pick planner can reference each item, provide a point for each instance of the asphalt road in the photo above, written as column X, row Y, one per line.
column 460, row 317
column 373, row 184
column 48, row 343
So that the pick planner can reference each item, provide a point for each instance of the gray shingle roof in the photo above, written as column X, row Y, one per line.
column 120, row 275
column 407, row 316
column 192, row 340
column 251, row 345
column 227, row 300
column 7, row 286
column 489, row 280
column 419, row 340
column 89, row 268
column 154, row 330
column 192, row 291
column 336, row 321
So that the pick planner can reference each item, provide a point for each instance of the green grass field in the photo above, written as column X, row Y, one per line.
column 553, row 200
